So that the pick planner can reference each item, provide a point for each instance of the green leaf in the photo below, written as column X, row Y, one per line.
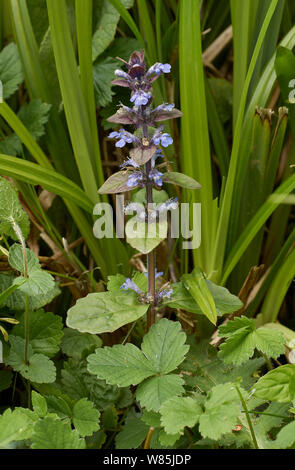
column 45, row 331
column 105, row 20
column 168, row 440
column 145, row 237
column 205, row 369
column 5, row 379
column 133, row 434
column 115, row 282
column 155, row 391
column 15, row 425
column 179, row 412
column 55, row 434
column 244, row 338
column 151, row 418
column 60, row 405
column 103, row 74
column 285, row 437
column 10, row 70
column 103, row 312
column 39, row 404
column 16, row 300
column 222, row 409
column 11, row 211
column 85, row 417
column 34, row 115
column 163, row 337
column 40, row 369
column 38, row 282
column 77, row 382
column 277, row 385
column 196, row 284
column 121, row 365
column 74, row 343
column 116, row 183
column 225, row 302
column 181, row 180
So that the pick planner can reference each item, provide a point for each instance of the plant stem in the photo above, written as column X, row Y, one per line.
column 148, row 438
column 27, row 329
column 151, row 257
column 248, row 418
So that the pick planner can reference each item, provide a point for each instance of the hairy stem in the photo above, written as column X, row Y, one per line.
column 251, row 429
column 151, row 257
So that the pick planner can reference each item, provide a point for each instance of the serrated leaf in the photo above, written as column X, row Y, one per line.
column 163, row 337
column 103, row 73
column 277, row 385
column 206, row 369
column 242, row 341
column 34, row 115
column 55, row 434
column 16, row 300
column 155, row 391
column 16, row 425
column 145, row 237
column 77, row 382
column 196, row 284
column 38, row 282
column 39, row 369
column 179, row 412
column 121, row 365
column 132, row 435
column 105, row 20
column 151, row 418
column 85, row 417
column 103, row 312
column 74, row 343
column 39, row 404
column 116, row 183
column 11, row 73
column 45, row 331
column 115, row 282
column 180, row 179
column 222, row 409
column 11, row 211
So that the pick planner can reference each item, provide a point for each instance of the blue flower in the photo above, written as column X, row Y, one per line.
column 165, row 293
column 123, row 137
column 156, row 177
column 157, row 154
column 159, row 68
column 121, row 74
column 163, row 139
column 130, row 285
column 129, row 162
column 164, row 107
column 134, row 179
column 140, row 98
